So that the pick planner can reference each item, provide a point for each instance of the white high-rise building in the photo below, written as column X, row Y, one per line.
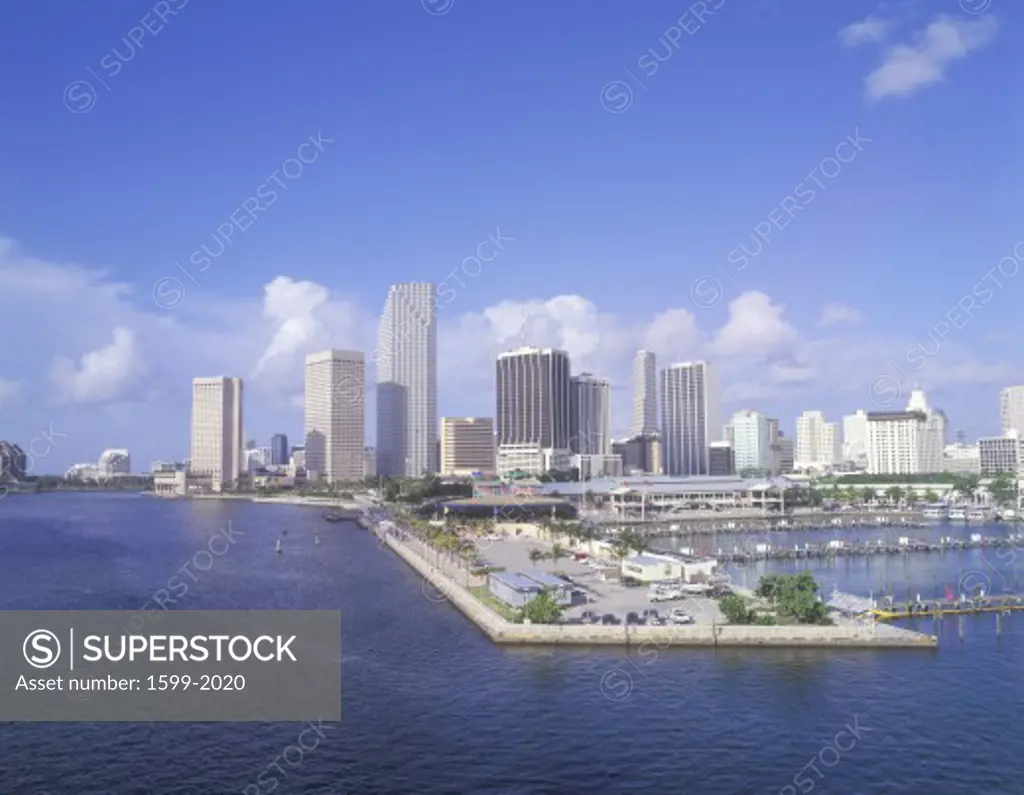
column 407, row 382
column 590, row 415
column 645, row 395
column 855, row 437
column 751, row 435
column 819, row 443
column 689, row 417
column 335, row 409
column 1011, row 409
column 216, row 448
column 934, row 441
column 895, row 442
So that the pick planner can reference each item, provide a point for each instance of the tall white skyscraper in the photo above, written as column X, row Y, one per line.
column 335, row 409
column 895, row 442
column 933, row 442
column 645, row 395
column 407, row 382
column 819, row 443
column 751, row 434
column 590, row 415
column 690, row 419
column 1011, row 409
column 855, row 437
column 216, row 448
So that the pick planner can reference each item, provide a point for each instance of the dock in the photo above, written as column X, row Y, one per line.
column 1002, row 603
column 852, row 549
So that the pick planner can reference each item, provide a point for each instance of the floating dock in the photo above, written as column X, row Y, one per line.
column 946, row 607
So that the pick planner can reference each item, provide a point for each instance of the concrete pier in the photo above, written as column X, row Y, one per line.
column 499, row 630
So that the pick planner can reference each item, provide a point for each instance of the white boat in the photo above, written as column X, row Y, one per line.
column 977, row 516
column 936, row 513
column 957, row 515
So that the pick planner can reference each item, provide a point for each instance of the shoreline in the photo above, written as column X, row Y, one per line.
column 504, row 632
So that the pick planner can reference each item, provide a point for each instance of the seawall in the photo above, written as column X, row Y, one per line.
column 499, row 630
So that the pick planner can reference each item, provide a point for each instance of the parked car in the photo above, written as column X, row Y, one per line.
column 651, row 613
column 634, row 619
column 665, row 594
column 608, row 618
column 680, row 616
column 589, row 617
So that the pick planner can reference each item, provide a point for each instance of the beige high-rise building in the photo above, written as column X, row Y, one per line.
column 1011, row 409
column 819, row 444
column 467, row 445
column 335, row 409
column 216, row 448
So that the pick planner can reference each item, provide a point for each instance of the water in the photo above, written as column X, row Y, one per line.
column 430, row 706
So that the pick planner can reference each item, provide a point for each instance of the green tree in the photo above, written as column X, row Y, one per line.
column 795, row 595
column 1003, row 489
column 558, row 552
column 735, row 609
column 542, row 609
column 894, row 494
column 867, row 495
column 912, row 496
column 535, row 556
column 930, row 496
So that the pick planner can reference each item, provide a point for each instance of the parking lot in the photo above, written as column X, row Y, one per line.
column 513, row 554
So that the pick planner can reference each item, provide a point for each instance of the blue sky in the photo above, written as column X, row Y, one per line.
column 134, row 131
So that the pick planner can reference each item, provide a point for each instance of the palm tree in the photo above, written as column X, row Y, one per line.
column 535, row 556
column 894, row 493
column 557, row 553
column 930, row 496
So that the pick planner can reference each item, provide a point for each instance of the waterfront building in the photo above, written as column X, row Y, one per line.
column 645, row 395
column 934, row 441
column 590, row 417
column 721, row 459
column 998, row 454
column 818, row 442
column 114, row 462
column 12, row 463
column 467, row 445
column 335, row 415
column 961, row 459
column 855, row 437
column 531, row 459
column 751, row 434
column 279, row 449
column 689, row 417
column 532, row 407
column 216, row 445
column 895, row 442
column 406, row 357
column 512, row 589
column 1011, row 409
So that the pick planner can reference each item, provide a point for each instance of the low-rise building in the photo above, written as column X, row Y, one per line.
column 997, row 454
column 961, row 459
column 652, row 568
column 559, row 589
column 512, row 589
column 597, row 466
column 114, row 462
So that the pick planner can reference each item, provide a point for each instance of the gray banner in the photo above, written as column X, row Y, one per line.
column 170, row 665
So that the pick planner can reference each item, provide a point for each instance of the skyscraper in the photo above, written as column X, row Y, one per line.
column 532, row 403
column 752, row 437
column 689, row 417
column 407, row 382
column 819, row 443
column 590, row 416
column 645, row 395
column 1011, row 409
column 855, row 437
column 335, row 408
column 467, row 445
column 933, row 442
column 279, row 449
column 216, row 447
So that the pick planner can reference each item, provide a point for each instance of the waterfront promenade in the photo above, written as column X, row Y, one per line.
column 447, row 581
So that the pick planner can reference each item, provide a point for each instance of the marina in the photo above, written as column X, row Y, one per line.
column 932, row 608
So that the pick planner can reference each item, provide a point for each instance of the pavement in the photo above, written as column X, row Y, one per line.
column 513, row 554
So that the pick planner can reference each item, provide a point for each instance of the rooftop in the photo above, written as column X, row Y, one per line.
column 516, row 581
column 545, row 579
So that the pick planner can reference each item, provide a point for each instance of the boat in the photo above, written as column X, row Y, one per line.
column 957, row 515
column 334, row 517
column 977, row 515
column 278, row 549
column 936, row 513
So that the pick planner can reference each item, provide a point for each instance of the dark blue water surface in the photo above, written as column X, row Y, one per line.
column 430, row 706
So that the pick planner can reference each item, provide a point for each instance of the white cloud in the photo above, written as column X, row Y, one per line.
column 103, row 375
column 755, row 328
column 9, row 391
column 908, row 67
column 111, row 343
column 868, row 31
column 839, row 315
